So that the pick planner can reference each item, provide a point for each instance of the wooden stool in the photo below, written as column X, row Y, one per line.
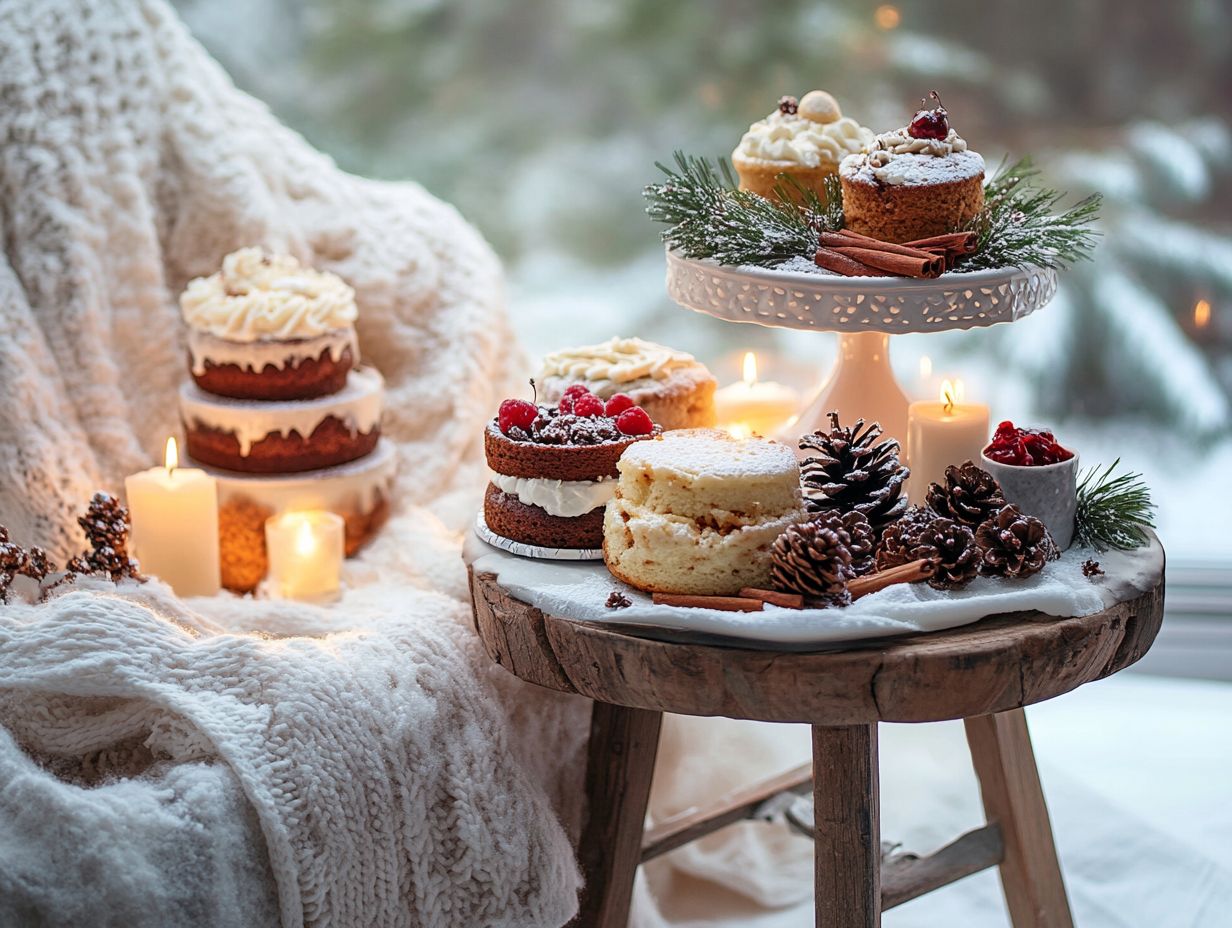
column 982, row 673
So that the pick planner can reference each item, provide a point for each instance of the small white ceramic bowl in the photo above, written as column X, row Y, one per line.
column 1047, row 491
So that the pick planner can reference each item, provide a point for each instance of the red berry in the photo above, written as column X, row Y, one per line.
column 516, row 412
column 634, row 421
column 1025, row 447
column 617, row 404
column 589, row 406
column 930, row 124
column 572, row 392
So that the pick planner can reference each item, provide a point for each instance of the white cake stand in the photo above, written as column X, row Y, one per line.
column 865, row 312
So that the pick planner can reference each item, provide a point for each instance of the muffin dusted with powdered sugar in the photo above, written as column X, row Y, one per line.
column 673, row 387
column 697, row 511
column 913, row 183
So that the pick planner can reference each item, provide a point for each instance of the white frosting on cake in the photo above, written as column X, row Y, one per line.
column 615, row 361
column 710, row 454
column 357, row 405
column 902, row 142
column 353, row 488
column 913, row 170
column 257, row 296
column 793, row 139
column 565, row 498
column 256, row 356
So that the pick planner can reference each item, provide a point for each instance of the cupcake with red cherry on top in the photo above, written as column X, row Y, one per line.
column 553, row 468
column 1037, row 474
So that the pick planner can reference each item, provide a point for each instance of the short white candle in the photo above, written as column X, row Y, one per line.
column 174, row 512
column 754, row 407
column 305, row 552
column 940, row 434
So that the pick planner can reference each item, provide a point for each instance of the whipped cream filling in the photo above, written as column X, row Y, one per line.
column 793, row 139
column 618, row 361
column 268, row 352
column 564, row 498
column 258, row 296
column 900, row 142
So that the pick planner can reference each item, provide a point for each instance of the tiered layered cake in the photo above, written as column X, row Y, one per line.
column 278, row 407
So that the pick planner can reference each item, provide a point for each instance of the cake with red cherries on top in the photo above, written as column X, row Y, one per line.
column 913, row 183
column 553, row 468
column 264, row 327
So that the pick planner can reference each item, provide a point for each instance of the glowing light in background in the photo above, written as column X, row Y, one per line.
column 887, row 16
column 1202, row 314
column 926, row 367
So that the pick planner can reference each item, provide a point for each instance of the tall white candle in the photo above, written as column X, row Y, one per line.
column 305, row 554
column 174, row 513
column 940, row 434
column 753, row 406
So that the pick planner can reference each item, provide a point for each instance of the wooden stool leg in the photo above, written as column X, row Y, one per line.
column 1010, row 786
column 619, row 769
column 847, row 826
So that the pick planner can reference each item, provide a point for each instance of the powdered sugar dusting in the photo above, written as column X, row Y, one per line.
column 711, row 452
column 913, row 170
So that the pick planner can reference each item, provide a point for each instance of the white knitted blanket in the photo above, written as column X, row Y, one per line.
column 172, row 763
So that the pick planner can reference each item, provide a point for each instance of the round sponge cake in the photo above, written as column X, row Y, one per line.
column 697, row 511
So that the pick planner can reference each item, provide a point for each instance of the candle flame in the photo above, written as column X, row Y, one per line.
column 1202, row 314
column 750, row 368
column 949, row 395
column 171, row 456
column 926, row 366
column 305, row 544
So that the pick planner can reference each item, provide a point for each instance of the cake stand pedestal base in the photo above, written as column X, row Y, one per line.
column 860, row 385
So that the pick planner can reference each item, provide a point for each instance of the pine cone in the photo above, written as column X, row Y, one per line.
column 106, row 523
column 951, row 546
column 971, row 495
column 898, row 540
column 813, row 559
column 853, row 472
column 1014, row 544
column 863, row 545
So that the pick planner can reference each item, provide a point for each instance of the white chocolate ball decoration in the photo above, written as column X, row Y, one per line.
column 819, row 106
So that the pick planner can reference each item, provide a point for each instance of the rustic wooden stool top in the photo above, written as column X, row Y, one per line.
column 983, row 673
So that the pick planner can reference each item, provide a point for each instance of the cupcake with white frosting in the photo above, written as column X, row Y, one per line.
column 265, row 327
column 675, row 389
column 805, row 139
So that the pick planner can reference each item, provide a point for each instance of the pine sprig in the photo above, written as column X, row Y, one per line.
column 1113, row 512
column 707, row 216
column 1018, row 225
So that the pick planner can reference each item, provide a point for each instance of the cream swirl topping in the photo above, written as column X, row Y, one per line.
column 788, row 137
column 619, row 360
column 899, row 142
column 257, row 296
column 566, row 499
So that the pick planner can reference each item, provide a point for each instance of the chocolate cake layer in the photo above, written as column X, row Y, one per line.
column 298, row 379
column 331, row 443
column 506, row 515
column 554, row 462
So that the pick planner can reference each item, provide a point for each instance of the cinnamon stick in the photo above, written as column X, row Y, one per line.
column 832, row 260
column 913, row 572
column 698, row 601
column 847, row 239
column 774, row 597
column 960, row 242
column 918, row 264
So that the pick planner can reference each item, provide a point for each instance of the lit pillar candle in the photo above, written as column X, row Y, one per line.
column 940, row 434
column 174, row 512
column 305, row 552
column 755, row 407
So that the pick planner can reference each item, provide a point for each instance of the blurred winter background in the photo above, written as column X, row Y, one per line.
column 541, row 120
